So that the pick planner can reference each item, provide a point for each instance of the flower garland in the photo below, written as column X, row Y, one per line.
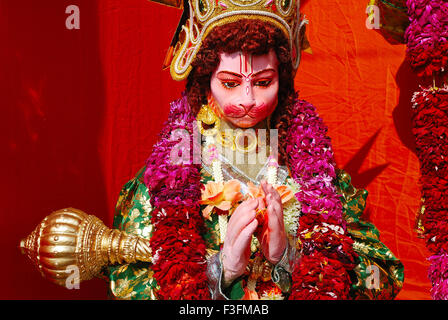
column 427, row 52
column 179, row 265
column 327, row 254
column 175, row 189
column 430, row 128
column 427, row 36
column 292, row 210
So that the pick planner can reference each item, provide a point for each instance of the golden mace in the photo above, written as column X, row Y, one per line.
column 70, row 238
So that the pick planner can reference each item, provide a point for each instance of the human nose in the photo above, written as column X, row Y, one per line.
column 247, row 98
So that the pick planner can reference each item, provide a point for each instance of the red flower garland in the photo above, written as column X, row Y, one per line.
column 430, row 127
column 179, row 264
column 179, row 250
column 427, row 36
column 327, row 258
column 320, row 278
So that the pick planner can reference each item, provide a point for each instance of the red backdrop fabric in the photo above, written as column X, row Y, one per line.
column 81, row 110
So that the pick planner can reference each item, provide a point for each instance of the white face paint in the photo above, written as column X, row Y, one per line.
column 246, row 69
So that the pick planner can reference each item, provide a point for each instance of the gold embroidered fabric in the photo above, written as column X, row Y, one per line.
column 135, row 281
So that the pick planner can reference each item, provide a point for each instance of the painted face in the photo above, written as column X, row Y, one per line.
column 245, row 87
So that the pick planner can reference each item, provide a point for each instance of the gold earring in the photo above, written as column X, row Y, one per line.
column 207, row 116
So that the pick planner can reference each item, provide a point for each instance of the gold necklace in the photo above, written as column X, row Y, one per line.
column 226, row 138
column 236, row 141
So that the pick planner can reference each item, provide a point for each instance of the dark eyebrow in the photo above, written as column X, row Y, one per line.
column 231, row 73
column 262, row 71
column 254, row 75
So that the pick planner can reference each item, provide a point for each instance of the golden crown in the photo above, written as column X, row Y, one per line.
column 201, row 16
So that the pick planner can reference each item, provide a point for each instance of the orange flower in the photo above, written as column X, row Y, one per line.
column 273, row 294
column 256, row 192
column 220, row 195
column 285, row 192
column 250, row 295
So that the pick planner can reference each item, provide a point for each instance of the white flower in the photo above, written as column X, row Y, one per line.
column 271, row 295
column 295, row 187
column 146, row 232
column 292, row 210
column 291, row 215
column 335, row 228
column 156, row 256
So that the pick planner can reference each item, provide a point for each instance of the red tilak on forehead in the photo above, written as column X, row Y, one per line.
column 246, row 65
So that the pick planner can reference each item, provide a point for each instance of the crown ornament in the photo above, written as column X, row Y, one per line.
column 200, row 17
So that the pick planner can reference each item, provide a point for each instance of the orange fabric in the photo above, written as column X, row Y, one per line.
column 362, row 88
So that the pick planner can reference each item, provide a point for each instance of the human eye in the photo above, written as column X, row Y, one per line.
column 263, row 83
column 230, row 84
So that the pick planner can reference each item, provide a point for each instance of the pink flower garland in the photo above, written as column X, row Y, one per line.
column 327, row 255
column 175, row 193
column 438, row 274
column 312, row 163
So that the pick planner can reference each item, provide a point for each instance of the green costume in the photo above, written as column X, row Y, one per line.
column 136, row 281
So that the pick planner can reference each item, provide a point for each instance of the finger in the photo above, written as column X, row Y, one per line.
column 242, row 210
column 275, row 215
column 246, row 205
column 268, row 196
column 241, row 218
column 235, row 229
column 274, row 193
column 261, row 203
column 275, row 212
column 264, row 187
column 245, row 237
column 275, row 218
column 273, row 204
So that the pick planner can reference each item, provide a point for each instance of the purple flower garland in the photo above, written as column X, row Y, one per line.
column 328, row 255
column 312, row 163
column 438, row 274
